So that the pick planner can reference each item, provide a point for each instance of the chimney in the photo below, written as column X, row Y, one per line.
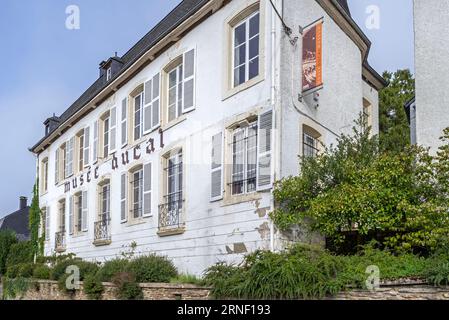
column 23, row 202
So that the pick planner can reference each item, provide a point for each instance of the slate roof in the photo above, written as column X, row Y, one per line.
column 176, row 17
column 17, row 222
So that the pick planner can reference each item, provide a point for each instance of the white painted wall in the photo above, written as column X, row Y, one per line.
column 431, row 70
column 212, row 228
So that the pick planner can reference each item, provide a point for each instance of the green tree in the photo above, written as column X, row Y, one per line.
column 393, row 123
column 34, row 223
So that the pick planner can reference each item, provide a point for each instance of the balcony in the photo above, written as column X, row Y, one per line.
column 60, row 243
column 102, row 232
column 170, row 216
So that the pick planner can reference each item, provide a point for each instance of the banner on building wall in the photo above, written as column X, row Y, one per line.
column 312, row 54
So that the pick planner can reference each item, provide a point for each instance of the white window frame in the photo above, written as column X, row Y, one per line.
column 132, row 189
column 179, row 96
column 108, row 73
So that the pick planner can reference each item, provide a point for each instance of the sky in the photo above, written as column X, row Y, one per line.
column 45, row 66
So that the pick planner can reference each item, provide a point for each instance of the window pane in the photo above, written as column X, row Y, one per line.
column 240, row 35
column 172, row 79
column 240, row 55
column 253, row 68
column 254, row 26
column 254, row 47
column 171, row 112
column 239, row 75
column 172, row 96
column 188, row 94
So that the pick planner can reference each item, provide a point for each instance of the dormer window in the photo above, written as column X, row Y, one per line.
column 108, row 73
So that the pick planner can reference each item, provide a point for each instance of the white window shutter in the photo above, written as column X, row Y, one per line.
column 71, row 215
column 57, row 166
column 264, row 148
column 217, row 167
column 84, row 217
column 147, row 174
column 95, row 145
column 86, row 145
column 47, row 223
column 189, row 81
column 124, row 126
column 147, row 99
column 123, row 198
column 69, row 157
column 113, row 131
column 155, row 106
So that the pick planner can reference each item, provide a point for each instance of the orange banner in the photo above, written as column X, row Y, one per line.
column 312, row 57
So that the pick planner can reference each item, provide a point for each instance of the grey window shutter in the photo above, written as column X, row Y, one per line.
column 124, row 126
column 147, row 189
column 95, row 145
column 47, row 224
column 57, row 166
column 155, row 106
column 147, row 95
column 69, row 157
column 189, row 81
column 71, row 215
column 113, row 130
column 86, row 146
column 84, row 217
column 264, row 159
column 123, row 198
column 217, row 167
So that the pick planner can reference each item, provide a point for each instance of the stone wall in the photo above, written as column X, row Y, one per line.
column 48, row 290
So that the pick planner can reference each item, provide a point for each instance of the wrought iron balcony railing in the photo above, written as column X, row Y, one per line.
column 102, row 230
column 60, row 243
column 170, row 213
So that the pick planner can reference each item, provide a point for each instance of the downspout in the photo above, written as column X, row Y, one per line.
column 36, row 180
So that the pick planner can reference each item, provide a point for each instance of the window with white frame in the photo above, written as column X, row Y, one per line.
column 244, row 159
column 80, row 208
column 45, row 225
column 108, row 74
column 246, row 49
column 80, row 151
column 69, row 147
column 136, row 187
column 61, row 216
column 175, row 91
column 44, row 176
column 310, row 142
column 367, row 114
column 105, row 202
column 102, row 230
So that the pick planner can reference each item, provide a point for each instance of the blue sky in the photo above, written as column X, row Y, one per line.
column 45, row 67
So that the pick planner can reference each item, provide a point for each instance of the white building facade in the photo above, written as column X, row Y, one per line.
column 175, row 148
column 429, row 111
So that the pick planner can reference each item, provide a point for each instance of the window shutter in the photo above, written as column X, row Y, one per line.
column 155, row 106
column 47, row 223
column 57, row 166
column 95, row 145
column 86, row 146
column 147, row 189
column 264, row 159
column 69, row 157
column 189, row 81
column 123, row 198
column 71, row 215
column 84, row 216
column 124, row 127
column 217, row 167
column 113, row 131
column 147, row 97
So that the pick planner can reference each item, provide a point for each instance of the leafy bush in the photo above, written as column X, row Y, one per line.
column 7, row 239
column 187, row 278
column 437, row 271
column 21, row 252
column 42, row 272
column 13, row 271
column 127, row 286
column 152, row 268
column 55, row 259
column 25, row 270
column 86, row 268
column 111, row 268
column 93, row 287
column 15, row 288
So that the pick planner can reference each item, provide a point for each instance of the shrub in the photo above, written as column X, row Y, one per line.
column 55, row 259
column 152, row 268
column 42, row 272
column 111, row 268
column 7, row 239
column 127, row 286
column 13, row 271
column 93, row 287
column 224, row 279
column 15, row 288
column 21, row 252
column 85, row 268
column 187, row 278
column 26, row 270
